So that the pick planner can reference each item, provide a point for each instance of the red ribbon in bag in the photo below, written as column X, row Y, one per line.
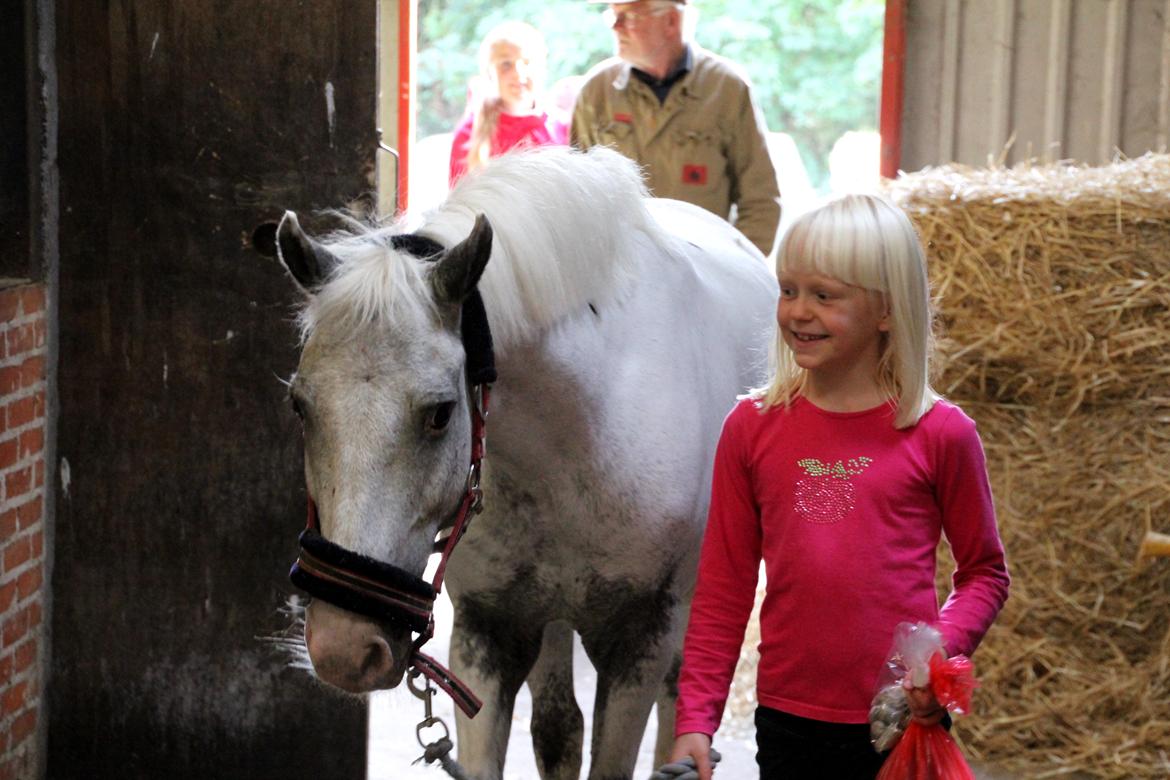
column 952, row 682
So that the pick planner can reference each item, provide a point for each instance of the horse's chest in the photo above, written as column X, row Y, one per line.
column 556, row 557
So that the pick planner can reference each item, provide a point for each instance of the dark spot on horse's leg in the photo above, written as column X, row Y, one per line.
column 670, row 682
column 557, row 729
column 593, row 309
column 633, row 621
column 626, row 642
column 508, row 644
column 498, row 656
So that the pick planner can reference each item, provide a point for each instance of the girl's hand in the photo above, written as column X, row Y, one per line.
column 924, row 707
column 697, row 746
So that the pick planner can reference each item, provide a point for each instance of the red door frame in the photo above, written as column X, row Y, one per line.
column 893, row 87
column 407, row 46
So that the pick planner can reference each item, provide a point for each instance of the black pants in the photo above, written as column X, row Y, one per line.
column 792, row 748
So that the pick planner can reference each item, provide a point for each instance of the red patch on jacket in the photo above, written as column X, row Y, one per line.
column 624, row 118
column 694, row 174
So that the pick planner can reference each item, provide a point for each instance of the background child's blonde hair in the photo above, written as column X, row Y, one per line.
column 865, row 241
column 531, row 44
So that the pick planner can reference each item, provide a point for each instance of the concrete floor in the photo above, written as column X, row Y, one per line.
column 394, row 715
column 393, row 746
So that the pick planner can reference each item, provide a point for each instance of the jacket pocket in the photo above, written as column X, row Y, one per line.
column 700, row 156
column 615, row 134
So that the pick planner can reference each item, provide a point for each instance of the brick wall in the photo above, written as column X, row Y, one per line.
column 22, row 538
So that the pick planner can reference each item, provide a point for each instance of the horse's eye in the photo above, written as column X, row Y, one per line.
column 439, row 415
column 296, row 407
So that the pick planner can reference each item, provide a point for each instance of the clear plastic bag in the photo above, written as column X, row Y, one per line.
column 920, row 752
column 914, row 644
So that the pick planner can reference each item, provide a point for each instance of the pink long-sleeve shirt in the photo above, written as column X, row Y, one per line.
column 846, row 512
column 512, row 131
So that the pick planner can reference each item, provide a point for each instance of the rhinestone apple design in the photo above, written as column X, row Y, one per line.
column 825, row 495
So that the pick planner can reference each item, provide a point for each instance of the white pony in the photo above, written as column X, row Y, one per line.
column 624, row 327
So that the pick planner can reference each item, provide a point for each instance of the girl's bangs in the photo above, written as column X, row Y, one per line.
column 837, row 242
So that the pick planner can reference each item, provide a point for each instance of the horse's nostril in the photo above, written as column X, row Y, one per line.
column 378, row 659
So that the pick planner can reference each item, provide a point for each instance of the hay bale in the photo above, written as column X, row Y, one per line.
column 1075, row 672
column 1052, row 287
column 1053, row 294
column 1052, row 282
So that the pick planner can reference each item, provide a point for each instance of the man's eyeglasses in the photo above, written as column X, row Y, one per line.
column 628, row 19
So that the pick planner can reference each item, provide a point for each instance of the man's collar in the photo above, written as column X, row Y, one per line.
column 680, row 69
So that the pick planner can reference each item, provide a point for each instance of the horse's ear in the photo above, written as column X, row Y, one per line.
column 307, row 261
column 459, row 269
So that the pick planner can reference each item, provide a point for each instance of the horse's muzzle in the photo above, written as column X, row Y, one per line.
column 352, row 652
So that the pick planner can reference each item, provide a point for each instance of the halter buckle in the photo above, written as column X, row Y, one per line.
column 478, row 396
column 473, row 488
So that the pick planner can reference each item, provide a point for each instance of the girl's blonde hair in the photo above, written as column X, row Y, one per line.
column 865, row 241
column 530, row 42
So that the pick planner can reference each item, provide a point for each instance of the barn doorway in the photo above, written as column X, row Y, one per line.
column 816, row 67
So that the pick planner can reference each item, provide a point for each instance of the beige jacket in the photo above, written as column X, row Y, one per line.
column 705, row 145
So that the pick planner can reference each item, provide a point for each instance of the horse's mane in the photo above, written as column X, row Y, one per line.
column 564, row 223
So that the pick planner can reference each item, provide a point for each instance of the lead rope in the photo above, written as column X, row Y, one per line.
column 684, row 768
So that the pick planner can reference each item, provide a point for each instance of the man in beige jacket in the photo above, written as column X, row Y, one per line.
column 685, row 114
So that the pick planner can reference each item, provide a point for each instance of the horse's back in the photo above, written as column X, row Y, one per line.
column 704, row 230
column 732, row 289
column 667, row 362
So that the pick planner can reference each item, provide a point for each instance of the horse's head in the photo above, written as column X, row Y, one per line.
column 383, row 397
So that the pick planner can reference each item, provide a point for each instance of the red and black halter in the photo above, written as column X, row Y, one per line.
column 380, row 590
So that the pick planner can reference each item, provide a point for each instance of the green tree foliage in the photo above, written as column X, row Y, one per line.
column 815, row 64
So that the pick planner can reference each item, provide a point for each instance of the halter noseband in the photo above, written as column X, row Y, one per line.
column 381, row 590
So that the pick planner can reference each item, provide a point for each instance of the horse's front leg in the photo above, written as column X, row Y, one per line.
column 667, row 698
column 492, row 652
column 634, row 654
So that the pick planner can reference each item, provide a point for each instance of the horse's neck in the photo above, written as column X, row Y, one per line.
column 571, row 384
column 556, row 376
column 547, row 394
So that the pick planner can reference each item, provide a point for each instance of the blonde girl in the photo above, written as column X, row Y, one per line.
column 841, row 475
column 509, row 112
